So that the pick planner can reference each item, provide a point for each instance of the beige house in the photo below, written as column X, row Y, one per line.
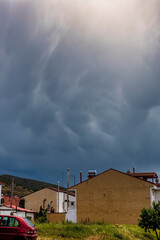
column 114, row 197
column 49, row 198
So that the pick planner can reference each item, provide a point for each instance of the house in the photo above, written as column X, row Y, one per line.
column 114, row 197
column 1, row 184
column 8, row 200
column 16, row 211
column 49, row 198
column 148, row 176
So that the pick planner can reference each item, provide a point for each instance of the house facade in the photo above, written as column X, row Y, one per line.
column 49, row 198
column 114, row 197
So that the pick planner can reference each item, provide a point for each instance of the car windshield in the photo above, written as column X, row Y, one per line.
column 28, row 222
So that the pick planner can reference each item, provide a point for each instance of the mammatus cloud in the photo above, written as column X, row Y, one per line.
column 79, row 86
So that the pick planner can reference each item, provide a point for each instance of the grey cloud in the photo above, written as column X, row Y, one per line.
column 79, row 86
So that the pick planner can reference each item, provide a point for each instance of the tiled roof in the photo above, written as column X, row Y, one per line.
column 144, row 174
column 69, row 192
column 20, row 209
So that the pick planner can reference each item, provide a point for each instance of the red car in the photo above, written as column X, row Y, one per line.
column 16, row 228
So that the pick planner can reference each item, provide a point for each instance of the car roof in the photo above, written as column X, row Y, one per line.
column 11, row 216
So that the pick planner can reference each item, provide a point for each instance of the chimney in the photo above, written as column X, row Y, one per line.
column 80, row 177
column 134, row 170
column 91, row 173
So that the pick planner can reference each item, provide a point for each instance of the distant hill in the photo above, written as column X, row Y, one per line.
column 23, row 186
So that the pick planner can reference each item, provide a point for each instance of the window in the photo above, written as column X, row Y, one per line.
column 28, row 222
column 16, row 223
column 9, row 222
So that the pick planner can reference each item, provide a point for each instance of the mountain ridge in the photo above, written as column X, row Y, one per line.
column 23, row 186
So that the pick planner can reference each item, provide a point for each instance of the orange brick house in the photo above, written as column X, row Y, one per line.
column 115, row 197
column 6, row 200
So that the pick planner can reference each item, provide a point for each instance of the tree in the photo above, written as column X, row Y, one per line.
column 150, row 219
column 42, row 215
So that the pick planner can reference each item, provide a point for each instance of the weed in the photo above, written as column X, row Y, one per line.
column 80, row 231
column 118, row 235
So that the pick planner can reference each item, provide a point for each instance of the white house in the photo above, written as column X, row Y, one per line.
column 62, row 201
column 17, row 211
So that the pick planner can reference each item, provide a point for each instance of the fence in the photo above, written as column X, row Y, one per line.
column 55, row 217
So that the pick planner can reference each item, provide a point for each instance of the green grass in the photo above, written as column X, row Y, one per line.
column 103, row 231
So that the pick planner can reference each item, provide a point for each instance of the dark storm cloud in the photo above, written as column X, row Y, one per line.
column 79, row 86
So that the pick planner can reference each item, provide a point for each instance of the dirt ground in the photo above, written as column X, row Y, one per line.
column 45, row 238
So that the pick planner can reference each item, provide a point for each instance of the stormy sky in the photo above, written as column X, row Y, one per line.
column 79, row 87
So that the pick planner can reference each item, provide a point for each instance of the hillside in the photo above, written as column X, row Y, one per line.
column 23, row 186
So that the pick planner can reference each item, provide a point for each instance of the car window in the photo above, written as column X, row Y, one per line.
column 9, row 222
column 28, row 222
column 4, row 221
column 16, row 223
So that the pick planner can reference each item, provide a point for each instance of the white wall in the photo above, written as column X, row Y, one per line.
column 63, row 202
column 157, row 195
column 152, row 195
column 71, row 215
column 0, row 193
column 61, row 199
column 72, row 199
column 5, row 210
column 28, row 214
column 19, row 214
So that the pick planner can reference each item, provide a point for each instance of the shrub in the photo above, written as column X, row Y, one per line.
column 42, row 219
column 150, row 219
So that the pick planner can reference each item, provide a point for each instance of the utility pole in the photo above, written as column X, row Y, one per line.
column 12, row 191
column 67, row 188
column 58, row 196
